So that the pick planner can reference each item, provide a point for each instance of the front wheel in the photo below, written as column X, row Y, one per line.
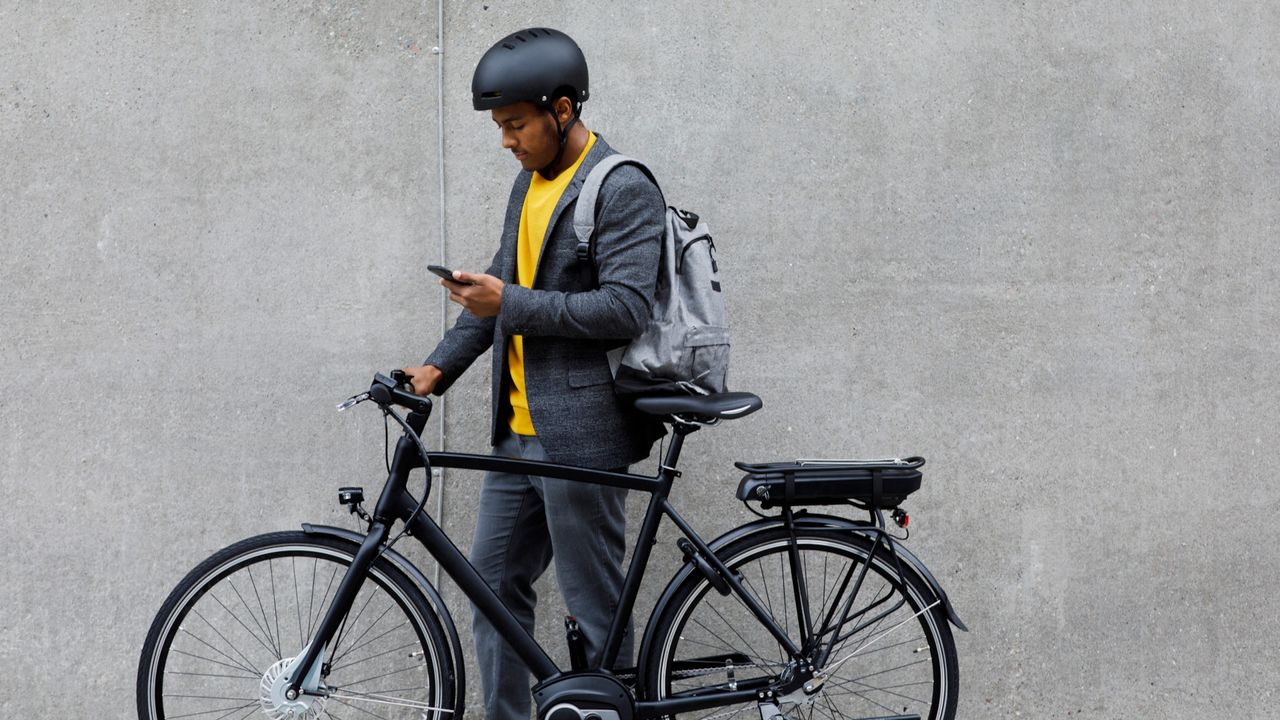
column 221, row 641
column 894, row 654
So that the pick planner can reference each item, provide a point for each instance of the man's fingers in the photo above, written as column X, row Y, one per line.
column 416, row 381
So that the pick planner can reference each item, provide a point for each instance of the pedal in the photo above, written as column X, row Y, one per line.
column 577, row 643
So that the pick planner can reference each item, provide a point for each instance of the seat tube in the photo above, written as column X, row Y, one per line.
column 640, row 558
column 635, row 573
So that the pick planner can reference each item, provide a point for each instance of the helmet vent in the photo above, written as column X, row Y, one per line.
column 509, row 46
column 534, row 33
column 494, row 95
column 521, row 38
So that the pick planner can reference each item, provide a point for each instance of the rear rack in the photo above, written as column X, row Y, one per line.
column 911, row 462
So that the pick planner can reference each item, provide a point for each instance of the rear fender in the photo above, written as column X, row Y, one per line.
column 805, row 521
column 831, row 522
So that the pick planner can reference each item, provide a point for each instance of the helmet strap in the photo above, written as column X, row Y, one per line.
column 563, row 133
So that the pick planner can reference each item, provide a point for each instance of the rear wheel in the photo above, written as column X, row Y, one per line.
column 226, row 634
column 893, row 657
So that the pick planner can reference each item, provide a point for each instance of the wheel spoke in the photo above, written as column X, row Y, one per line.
column 383, row 675
column 247, row 668
column 384, row 698
column 226, row 711
column 293, row 566
column 353, row 663
column 275, row 606
column 349, row 622
column 357, row 708
column 275, row 649
column 768, row 599
column 270, row 650
column 248, row 672
column 324, row 599
column 252, row 709
column 311, row 596
column 762, row 662
column 356, row 644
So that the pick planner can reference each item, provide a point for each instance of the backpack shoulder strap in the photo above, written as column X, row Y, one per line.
column 584, row 213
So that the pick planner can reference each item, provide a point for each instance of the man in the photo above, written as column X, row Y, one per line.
column 550, row 318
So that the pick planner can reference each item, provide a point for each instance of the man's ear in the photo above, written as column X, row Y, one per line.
column 564, row 109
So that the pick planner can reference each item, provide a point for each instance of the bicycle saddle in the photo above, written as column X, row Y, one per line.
column 720, row 406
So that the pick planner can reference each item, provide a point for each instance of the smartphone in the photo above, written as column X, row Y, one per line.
column 446, row 273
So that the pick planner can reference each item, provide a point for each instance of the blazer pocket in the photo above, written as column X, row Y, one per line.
column 587, row 378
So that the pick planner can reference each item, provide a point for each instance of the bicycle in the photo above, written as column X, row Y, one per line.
column 794, row 615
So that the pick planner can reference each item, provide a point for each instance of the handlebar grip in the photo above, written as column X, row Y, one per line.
column 386, row 391
column 413, row 401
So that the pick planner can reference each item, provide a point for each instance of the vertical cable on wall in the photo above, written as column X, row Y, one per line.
column 438, row 52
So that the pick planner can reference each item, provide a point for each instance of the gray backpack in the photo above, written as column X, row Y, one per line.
column 684, row 348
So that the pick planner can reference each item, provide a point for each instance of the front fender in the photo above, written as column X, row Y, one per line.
column 442, row 611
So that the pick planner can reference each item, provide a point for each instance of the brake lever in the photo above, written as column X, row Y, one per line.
column 352, row 401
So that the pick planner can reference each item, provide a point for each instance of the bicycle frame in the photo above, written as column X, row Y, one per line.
column 395, row 503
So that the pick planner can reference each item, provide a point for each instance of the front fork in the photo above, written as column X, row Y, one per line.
column 407, row 457
column 338, row 609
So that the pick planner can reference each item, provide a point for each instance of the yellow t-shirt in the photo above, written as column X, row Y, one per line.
column 539, row 202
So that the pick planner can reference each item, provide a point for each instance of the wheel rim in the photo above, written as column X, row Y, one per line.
column 235, row 629
column 887, row 668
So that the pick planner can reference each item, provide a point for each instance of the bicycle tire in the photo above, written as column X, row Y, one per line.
column 703, row 641
column 232, row 624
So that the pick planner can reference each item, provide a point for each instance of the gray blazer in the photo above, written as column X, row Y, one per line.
column 570, row 318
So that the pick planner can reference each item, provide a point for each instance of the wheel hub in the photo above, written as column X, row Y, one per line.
column 276, row 704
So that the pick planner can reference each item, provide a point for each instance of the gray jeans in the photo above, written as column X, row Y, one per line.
column 525, row 521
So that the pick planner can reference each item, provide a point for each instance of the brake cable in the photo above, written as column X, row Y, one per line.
column 426, row 464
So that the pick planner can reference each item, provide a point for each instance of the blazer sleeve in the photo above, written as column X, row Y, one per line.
column 628, row 248
column 467, row 340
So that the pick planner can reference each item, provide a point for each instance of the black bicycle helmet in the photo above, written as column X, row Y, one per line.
column 530, row 65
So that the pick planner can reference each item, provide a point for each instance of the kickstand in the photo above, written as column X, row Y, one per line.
column 769, row 711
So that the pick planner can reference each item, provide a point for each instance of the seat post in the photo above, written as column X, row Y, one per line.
column 679, row 430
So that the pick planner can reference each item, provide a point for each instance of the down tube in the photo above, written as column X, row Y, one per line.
column 474, row 587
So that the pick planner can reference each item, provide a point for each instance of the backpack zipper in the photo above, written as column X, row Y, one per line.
column 710, row 244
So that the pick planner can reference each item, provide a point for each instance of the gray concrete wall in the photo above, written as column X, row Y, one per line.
column 1033, row 242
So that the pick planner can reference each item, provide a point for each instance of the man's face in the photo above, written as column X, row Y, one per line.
column 529, row 133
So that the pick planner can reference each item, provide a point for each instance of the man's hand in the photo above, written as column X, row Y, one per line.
column 423, row 378
column 482, row 297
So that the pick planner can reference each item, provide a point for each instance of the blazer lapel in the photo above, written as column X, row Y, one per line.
column 511, row 225
column 599, row 150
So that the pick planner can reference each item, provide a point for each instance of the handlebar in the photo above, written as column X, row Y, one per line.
column 387, row 391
